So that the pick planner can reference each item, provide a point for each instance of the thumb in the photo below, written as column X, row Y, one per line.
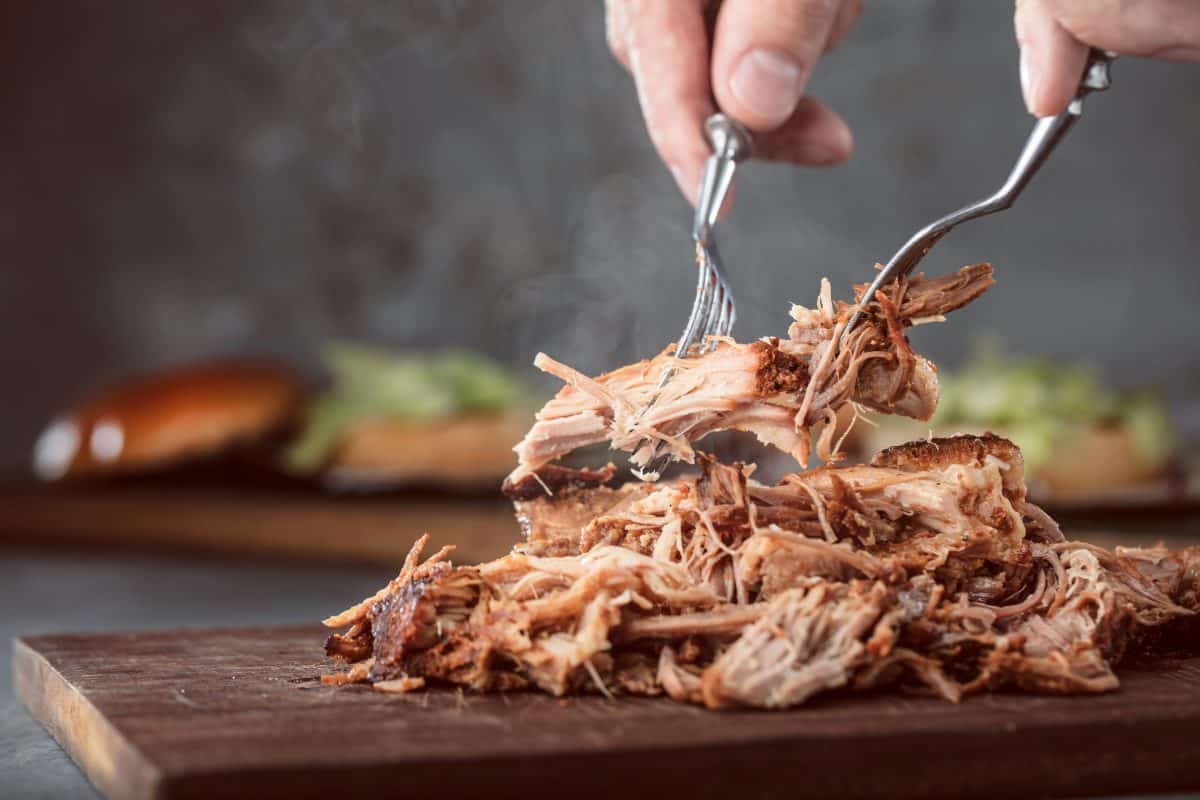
column 763, row 54
column 1051, row 59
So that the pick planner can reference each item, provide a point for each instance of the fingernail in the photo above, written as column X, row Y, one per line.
column 768, row 84
column 1027, row 86
column 1179, row 54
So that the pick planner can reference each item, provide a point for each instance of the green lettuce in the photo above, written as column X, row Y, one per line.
column 1040, row 404
column 371, row 383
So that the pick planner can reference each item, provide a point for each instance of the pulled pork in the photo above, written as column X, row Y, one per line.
column 777, row 389
column 928, row 569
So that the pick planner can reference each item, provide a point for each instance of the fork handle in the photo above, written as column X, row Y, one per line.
column 1049, row 131
column 1046, row 134
column 731, row 145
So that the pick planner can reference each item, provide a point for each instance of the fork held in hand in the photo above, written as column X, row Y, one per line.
column 1047, row 133
column 713, row 311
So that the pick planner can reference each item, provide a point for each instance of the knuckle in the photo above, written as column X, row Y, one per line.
column 1090, row 22
column 1025, row 11
column 847, row 15
column 814, row 12
column 800, row 27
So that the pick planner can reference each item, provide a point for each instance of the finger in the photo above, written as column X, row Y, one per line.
column 616, row 29
column 848, row 13
column 668, row 55
column 1159, row 28
column 763, row 54
column 814, row 135
column 1052, row 60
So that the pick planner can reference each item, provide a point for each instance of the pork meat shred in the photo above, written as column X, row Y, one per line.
column 778, row 389
column 927, row 569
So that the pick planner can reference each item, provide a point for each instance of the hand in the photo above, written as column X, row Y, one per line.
column 763, row 52
column 1054, row 37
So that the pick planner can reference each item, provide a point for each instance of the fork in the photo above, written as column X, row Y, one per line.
column 713, row 310
column 1047, row 133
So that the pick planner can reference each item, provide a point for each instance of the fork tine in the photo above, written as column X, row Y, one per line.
column 720, row 292
column 657, row 464
column 716, row 318
column 685, row 339
column 701, row 309
column 724, row 324
column 720, row 312
column 720, row 320
column 690, row 330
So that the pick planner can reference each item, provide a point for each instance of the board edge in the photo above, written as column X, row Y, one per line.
column 112, row 764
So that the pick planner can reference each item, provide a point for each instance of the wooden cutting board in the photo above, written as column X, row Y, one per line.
column 225, row 713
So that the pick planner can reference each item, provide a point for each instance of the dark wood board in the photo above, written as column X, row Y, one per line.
column 224, row 713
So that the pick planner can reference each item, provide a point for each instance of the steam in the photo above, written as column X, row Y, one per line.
column 447, row 213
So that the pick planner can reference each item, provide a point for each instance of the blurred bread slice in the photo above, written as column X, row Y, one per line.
column 168, row 417
column 464, row 450
column 1097, row 460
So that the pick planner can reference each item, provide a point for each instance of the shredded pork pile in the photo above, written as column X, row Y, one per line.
column 927, row 569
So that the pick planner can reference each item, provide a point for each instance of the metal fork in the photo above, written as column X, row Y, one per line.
column 713, row 311
column 1047, row 133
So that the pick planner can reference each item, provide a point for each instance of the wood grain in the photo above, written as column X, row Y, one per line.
column 225, row 713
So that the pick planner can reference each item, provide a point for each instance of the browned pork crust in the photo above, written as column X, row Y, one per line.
column 944, row 451
column 552, row 479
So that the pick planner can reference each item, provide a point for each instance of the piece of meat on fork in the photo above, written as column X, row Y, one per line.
column 777, row 389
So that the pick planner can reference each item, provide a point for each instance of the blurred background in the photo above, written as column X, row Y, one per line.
column 187, row 181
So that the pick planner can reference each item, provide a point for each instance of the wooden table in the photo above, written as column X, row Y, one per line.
column 276, row 522
column 255, row 522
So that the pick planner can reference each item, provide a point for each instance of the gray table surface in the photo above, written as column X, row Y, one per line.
column 44, row 592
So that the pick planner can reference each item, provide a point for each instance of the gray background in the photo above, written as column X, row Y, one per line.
column 191, row 179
